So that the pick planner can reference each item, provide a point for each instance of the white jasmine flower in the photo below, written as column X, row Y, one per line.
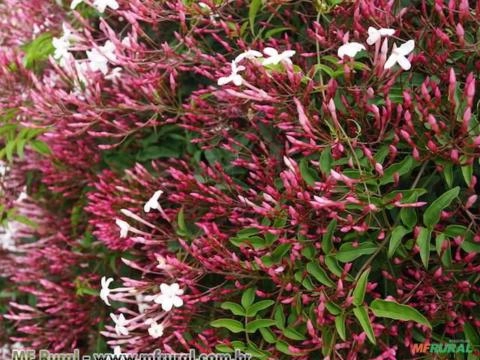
column 275, row 57
column 399, row 54
column 100, row 57
column 350, row 49
column 233, row 77
column 155, row 330
column 7, row 237
column 142, row 306
column 105, row 292
column 115, row 74
column 124, row 227
column 101, row 5
column 375, row 35
column 162, row 263
column 153, row 203
column 62, row 45
column 249, row 54
column 75, row 3
column 169, row 297
column 120, row 323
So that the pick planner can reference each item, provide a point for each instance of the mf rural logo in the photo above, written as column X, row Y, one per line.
column 444, row 348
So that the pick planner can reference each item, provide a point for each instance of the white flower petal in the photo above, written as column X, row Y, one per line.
column 165, row 289
column 391, row 61
column 406, row 48
column 177, row 301
column 224, row 80
column 237, row 80
column 403, row 62
column 288, row 54
column 167, row 304
column 270, row 51
column 386, row 32
column 373, row 35
column 350, row 49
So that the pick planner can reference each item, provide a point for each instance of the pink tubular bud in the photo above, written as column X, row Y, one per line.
column 460, row 34
column 470, row 201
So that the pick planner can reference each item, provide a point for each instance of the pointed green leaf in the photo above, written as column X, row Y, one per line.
column 268, row 335
column 279, row 317
column 259, row 323
column 396, row 238
column 234, row 326
column 236, row 309
column 255, row 5
column 348, row 252
column 360, row 288
column 327, row 244
column 248, row 297
column 259, row 306
column 432, row 213
column 362, row 316
column 318, row 273
column 326, row 161
column 293, row 334
column 423, row 242
column 340, row 326
column 333, row 308
column 396, row 311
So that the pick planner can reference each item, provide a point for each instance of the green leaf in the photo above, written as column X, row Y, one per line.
column 360, row 288
column 259, row 306
column 470, row 246
column 348, row 252
column 471, row 334
column 340, row 326
column 234, row 326
column 40, row 147
column 258, row 324
column 333, row 308
column 182, row 226
column 236, row 309
column 432, row 213
column 448, row 174
column 255, row 5
column 362, row 316
column 326, row 161
column 255, row 242
column 467, row 172
column 396, row 238
column 401, row 168
column 446, row 257
column 408, row 217
column 37, row 50
column 293, row 334
column 327, row 244
column 396, row 311
column 268, row 335
column 307, row 174
column 272, row 32
column 279, row 317
column 248, row 297
column 282, row 346
column 224, row 348
column 280, row 252
column 318, row 273
column 423, row 242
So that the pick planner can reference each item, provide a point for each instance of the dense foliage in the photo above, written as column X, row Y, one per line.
column 294, row 179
